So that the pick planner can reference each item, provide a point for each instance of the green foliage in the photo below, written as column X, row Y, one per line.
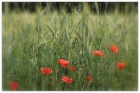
column 39, row 40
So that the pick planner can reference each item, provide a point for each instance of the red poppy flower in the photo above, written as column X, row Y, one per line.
column 63, row 62
column 14, row 85
column 121, row 65
column 66, row 79
column 88, row 78
column 45, row 70
column 98, row 53
column 72, row 68
column 114, row 48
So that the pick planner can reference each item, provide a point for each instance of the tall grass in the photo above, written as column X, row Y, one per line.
column 32, row 41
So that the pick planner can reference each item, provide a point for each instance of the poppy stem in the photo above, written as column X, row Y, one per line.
column 96, row 71
column 63, row 86
column 121, row 79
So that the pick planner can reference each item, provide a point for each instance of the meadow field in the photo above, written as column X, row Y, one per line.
column 51, row 51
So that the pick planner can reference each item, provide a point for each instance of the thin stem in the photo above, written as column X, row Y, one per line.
column 38, row 54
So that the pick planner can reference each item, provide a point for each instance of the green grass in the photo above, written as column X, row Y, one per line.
column 32, row 41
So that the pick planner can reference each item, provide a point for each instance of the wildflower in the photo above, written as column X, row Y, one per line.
column 121, row 65
column 72, row 68
column 88, row 78
column 45, row 70
column 14, row 85
column 66, row 79
column 98, row 53
column 114, row 48
column 63, row 62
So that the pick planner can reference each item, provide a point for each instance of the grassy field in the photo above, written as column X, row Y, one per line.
column 33, row 41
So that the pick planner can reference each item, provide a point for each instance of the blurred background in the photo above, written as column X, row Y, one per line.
column 94, row 7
